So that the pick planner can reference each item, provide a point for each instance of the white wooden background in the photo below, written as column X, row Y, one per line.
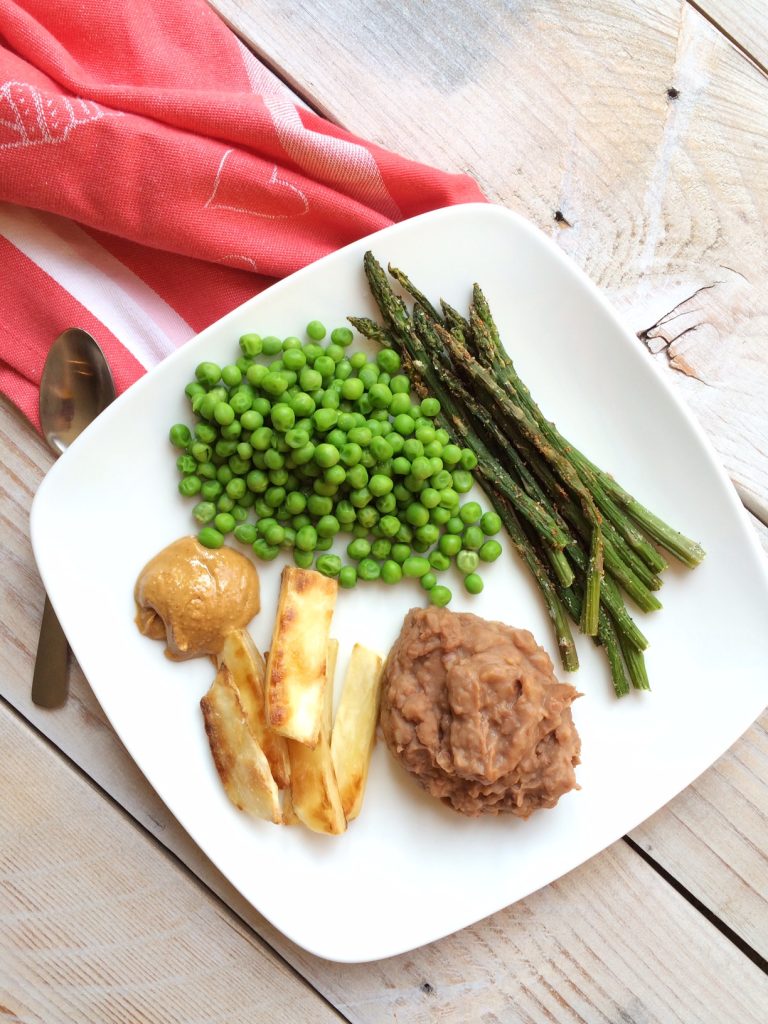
column 562, row 111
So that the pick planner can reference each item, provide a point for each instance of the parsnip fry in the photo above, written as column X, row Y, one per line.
column 296, row 667
column 354, row 731
column 314, row 795
column 243, row 659
column 241, row 763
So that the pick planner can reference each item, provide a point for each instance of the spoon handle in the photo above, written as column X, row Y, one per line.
column 50, row 682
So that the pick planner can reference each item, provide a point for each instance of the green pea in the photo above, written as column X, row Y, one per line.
column 399, row 404
column 451, row 454
column 224, row 522
column 348, row 577
column 294, row 359
column 421, row 468
column 209, row 537
column 328, row 565
column 427, row 534
column 440, row 596
column 430, row 497
column 209, row 374
column 204, row 512
column 232, row 431
column 273, row 459
column 250, row 344
column 449, row 498
column 265, row 551
column 490, row 523
column 256, row 373
column 357, row 477
column 380, row 485
column 417, row 515
column 274, row 534
column 473, row 583
column 473, row 538
column 439, row 560
column 389, row 525
column 335, row 475
column 415, row 566
column 325, row 419
column 225, row 503
column 430, row 407
column 387, row 503
column 325, row 366
column 400, row 552
column 368, row 569
column 328, row 526
column 282, row 416
column 489, row 551
column 441, row 480
column 245, row 533
column 449, row 544
column 420, row 546
column 236, row 487
column 428, row 580
column 404, row 424
column 342, row 336
column 295, row 503
column 180, row 435
column 381, row 396
column 190, row 485
column 319, row 505
column 315, row 330
column 303, row 559
column 470, row 512
column 211, row 490
column 467, row 561
column 381, row 548
column 326, row 455
column 367, row 516
column 359, row 548
column 304, row 455
column 391, row 572
column 468, row 459
column 306, row 538
column 439, row 515
column 405, row 534
column 359, row 531
column 206, row 433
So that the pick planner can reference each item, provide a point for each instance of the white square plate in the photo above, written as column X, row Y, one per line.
column 409, row 870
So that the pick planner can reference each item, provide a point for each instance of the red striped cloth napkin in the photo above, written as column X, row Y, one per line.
column 154, row 175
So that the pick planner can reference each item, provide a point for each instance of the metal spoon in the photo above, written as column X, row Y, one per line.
column 75, row 387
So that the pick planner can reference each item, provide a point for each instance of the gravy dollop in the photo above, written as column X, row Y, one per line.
column 193, row 597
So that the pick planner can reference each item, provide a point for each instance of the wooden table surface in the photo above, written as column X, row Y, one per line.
column 636, row 134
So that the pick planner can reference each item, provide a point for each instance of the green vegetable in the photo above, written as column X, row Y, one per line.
column 210, row 537
column 440, row 596
column 473, row 583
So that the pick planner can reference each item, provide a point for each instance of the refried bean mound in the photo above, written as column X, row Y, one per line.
column 472, row 709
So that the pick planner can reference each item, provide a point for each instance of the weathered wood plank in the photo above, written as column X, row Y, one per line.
column 638, row 125
column 721, row 866
column 99, row 925
column 745, row 22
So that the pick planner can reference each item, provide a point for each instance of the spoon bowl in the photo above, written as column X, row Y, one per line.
column 75, row 387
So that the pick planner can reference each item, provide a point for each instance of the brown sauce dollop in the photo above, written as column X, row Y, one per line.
column 193, row 597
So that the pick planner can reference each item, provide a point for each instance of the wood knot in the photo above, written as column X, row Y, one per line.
column 560, row 219
column 427, row 989
column 672, row 92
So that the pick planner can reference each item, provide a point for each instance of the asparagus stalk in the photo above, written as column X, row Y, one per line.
column 517, row 418
column 686, row 550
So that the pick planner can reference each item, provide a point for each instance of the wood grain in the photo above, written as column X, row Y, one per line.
column 745, row 22
column 561, row 109
column 98, row 925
